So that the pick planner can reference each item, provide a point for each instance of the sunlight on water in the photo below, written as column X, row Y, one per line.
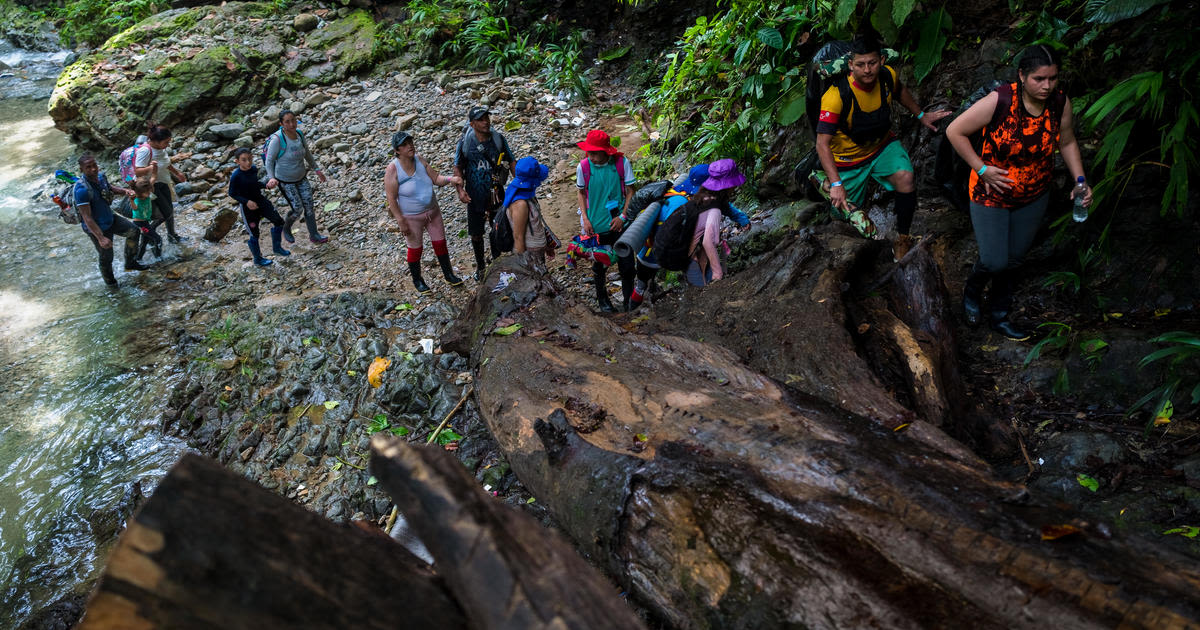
column 79, row 416
column 19, row 314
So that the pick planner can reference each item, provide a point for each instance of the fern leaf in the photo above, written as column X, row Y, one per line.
column 1113, row 145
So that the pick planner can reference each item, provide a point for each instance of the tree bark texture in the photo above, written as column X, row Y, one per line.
column 723, row 500
column 507, row 570
column 212, row 550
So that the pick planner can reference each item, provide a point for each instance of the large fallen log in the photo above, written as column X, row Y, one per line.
column 213, row 550
column 722, row 500
column 504, row 567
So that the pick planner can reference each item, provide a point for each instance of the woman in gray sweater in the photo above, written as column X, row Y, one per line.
column 288, row 161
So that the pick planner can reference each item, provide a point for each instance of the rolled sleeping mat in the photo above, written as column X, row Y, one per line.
column 635, row 235
column 631, row 241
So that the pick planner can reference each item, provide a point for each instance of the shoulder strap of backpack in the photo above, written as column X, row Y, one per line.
column 1003, row 105
column 621, row 174
column 586, row 165
column 842, row 84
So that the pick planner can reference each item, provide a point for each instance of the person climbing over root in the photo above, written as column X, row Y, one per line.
column 153, row 160
column 605, row 181
column 855, row 142
column 530, row 233
column 408, row 184
column 288, row 162
column 246, row 189
column 713, row 196
column 93, row 193
column 1022, row 124
column 681, row 191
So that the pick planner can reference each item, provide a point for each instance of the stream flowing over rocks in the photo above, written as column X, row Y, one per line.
column 273, row 362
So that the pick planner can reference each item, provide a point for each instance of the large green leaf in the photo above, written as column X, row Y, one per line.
column 792, row 110
column 770, row 37
column 881, row 19
column 1109, row 11
column 845, row 9
column 933, row 41
column 900, row 11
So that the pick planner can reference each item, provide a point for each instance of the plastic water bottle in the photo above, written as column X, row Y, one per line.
column 1080, row 213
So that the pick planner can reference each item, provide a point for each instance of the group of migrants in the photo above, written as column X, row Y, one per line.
column 1008, row 140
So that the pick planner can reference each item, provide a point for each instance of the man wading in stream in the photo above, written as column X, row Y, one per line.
column 92, row 194
column 855, row 141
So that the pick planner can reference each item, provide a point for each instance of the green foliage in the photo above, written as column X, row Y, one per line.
column 733, row 78
column 94, row 21
column 380, row 423
column 933, row 29
column 1148, row 119
column 1184, row 349
column 1109, row 11
column 564, row 69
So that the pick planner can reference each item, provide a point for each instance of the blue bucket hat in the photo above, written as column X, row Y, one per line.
column 696, row 177
column 530, row 175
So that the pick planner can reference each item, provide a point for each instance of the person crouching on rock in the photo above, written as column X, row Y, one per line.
column 92, row 195
column 408, row 184
column 530, row 233
column 288, row 161
column 713, row 196
column 246, row 189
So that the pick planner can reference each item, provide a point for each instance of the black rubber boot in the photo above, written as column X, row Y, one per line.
column 276, row 242
column 973, row 294
column 600, row 278
column 287, row 229
column 448, row 271
column 480, row 263
column 131, row 254
column 1003, row 284
column 258, row 257
column 415, row 269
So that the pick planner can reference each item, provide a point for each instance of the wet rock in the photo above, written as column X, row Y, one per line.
column 226, row 131
column 305, row 22
column 220, row 225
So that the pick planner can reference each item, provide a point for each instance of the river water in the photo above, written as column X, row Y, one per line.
column 79, row 405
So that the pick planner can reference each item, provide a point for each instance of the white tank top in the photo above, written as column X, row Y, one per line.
column 415, row 192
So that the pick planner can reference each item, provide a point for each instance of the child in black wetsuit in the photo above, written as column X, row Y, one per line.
column 245, row 187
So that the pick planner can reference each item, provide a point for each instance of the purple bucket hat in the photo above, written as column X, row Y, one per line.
column 723, row 174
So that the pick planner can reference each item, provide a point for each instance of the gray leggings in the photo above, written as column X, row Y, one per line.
column 1004, row 235
column 299, row 196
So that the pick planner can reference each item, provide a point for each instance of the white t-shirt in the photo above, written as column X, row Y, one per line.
column 145, row 154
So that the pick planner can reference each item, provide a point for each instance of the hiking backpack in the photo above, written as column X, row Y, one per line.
column 125, row 162
column 620, row 164
column 673, row 239
column 950, row 171
column 501, row 235
column 282, row 144
column 648, row 195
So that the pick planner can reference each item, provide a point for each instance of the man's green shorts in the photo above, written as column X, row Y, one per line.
column 891, row 159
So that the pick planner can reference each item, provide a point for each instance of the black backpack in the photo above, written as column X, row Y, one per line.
column 501, row 236
column 950, row 171
column 647, row 195
column 673, row 239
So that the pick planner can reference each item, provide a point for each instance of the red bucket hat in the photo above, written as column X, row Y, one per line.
column 598, row 141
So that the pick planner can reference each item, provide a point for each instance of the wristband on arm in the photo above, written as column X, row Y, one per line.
column 921, row 115
column 835, row 184
column 982, row 170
